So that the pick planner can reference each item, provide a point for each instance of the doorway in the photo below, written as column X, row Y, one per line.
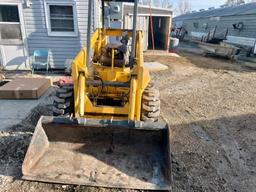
column 13, row 50
column 161, row 31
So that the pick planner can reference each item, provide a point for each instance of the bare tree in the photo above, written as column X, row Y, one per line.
column 144, row 2
column 165, row 3
column 157, row 3
column 184, row 6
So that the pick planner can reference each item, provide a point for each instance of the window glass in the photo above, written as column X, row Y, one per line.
column 9, row 23
column 195, row 25
column 9, row 13
column 10, row 31
column 61, row 18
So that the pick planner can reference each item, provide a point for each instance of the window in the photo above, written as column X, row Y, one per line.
column 61, row 20
column 238, row 26
column 9, row 23
column 195, row 25
column 205, row 25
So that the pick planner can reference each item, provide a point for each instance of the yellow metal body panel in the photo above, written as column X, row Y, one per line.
column 132, row 99
column 90, row 108
column 138, row 78
column 116, row 74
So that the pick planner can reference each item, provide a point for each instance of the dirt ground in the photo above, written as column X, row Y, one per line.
column 210, row 105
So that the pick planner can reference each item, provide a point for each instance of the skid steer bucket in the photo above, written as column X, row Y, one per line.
column 99, row 153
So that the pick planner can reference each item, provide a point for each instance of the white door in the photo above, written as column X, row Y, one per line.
column 12, row 37
column 142, row 24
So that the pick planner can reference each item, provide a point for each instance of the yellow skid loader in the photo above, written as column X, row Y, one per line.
column 106, row 129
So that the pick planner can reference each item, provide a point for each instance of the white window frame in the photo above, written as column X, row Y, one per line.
column 48, row 22
column 21, row 23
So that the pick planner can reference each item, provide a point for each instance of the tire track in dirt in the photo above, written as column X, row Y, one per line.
column 197, row 103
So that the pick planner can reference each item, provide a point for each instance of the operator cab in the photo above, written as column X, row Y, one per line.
column 116, row 54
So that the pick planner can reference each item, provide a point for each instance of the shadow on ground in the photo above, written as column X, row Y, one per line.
column 218, row 155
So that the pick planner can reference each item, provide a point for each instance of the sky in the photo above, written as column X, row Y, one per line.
column 203, row 4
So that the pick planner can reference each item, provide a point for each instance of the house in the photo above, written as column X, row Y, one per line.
column 240, row 21
column 57, row 25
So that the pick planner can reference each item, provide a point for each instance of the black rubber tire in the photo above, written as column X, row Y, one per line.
column 150, row 109
column 63, row 103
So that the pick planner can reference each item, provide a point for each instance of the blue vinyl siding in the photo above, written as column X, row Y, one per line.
column 62, row 48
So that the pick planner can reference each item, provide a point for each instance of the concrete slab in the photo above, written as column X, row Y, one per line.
column 161, row 53
column 155, row 66
column 12, row 112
